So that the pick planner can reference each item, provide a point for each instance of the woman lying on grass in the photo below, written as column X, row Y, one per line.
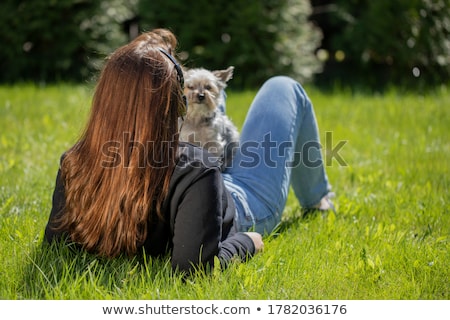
column 128, row 186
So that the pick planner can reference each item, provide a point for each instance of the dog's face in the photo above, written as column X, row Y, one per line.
column 203, row 87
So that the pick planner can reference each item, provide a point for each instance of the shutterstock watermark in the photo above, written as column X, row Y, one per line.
column 249, row 154
column 333, row 151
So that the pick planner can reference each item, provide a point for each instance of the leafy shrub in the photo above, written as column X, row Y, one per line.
column 57, row 40
column 260, row 38
column 402, row 42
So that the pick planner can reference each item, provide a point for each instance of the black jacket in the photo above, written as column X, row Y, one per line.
column 198, row 216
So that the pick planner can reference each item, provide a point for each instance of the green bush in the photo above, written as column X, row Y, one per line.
column 402, row 42
column 370, row 43
column 57, row 40
column 260, row 38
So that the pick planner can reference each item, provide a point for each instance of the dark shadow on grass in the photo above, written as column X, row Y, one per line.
column 57, row 270
column 294, row 219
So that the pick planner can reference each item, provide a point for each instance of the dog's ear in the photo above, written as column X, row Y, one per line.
column 224, row 75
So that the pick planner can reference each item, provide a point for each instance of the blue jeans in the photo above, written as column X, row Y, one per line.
column 279, row 147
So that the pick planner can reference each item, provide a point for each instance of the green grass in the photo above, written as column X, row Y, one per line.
column 389, row 239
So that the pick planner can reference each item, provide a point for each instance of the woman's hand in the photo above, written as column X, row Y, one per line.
column 257, row 240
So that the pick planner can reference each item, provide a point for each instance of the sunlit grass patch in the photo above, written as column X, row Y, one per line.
column 388, row 240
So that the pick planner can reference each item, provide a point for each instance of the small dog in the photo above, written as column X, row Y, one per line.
column 205, row 124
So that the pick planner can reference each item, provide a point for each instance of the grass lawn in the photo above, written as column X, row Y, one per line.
column 389, row 239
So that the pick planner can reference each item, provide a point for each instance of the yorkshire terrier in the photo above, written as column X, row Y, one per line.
column 205, row 123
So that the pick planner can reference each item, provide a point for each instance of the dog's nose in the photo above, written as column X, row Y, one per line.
column 201, row 96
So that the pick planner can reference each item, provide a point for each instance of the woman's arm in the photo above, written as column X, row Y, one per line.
column 197, row 231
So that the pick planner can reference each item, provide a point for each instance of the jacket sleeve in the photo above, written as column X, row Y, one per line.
column 197, row 230
column 58, row 203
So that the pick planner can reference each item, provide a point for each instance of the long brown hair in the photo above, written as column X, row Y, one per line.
column 117, row 175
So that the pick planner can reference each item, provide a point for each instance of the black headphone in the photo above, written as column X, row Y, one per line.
column 179, row 73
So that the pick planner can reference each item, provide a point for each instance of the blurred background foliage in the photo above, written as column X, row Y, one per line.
column 400, row 42
column 260, row 38
column 362, row 43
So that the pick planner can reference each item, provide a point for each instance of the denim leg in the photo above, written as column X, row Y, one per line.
column 279, row 141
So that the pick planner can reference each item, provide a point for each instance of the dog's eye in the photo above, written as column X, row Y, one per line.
column 190, row 87
column 208, row 87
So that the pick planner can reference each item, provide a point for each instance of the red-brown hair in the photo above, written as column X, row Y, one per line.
column 117, row 175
